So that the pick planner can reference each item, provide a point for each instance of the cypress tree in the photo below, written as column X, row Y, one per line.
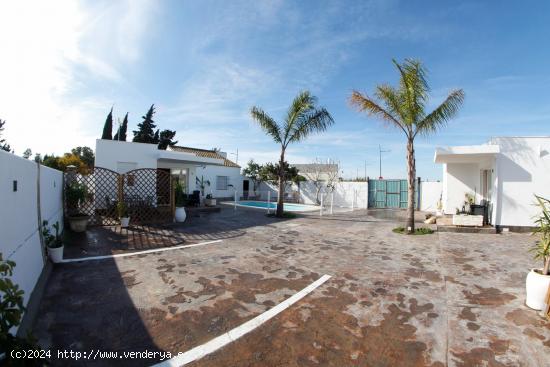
column 108, row 127
column 156, row 138
column 166, row 137
column 145, row 132
column 121, row 133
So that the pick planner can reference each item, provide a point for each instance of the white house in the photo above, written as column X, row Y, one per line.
column 188, row 164
column 506, row 172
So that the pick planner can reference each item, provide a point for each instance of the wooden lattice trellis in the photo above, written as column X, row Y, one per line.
column 147, row 193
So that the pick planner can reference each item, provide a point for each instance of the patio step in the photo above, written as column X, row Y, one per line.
column 457, row 229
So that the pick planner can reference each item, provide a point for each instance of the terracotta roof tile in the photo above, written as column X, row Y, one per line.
column 205, row 154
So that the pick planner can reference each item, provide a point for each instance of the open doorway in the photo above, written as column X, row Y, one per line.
column 246, row 185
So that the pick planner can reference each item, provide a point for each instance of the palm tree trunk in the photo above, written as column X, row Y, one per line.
column 545, row 270
column 280, row 208
column 411, row 178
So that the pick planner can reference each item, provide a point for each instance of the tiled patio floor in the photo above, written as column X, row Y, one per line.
column 435, row 300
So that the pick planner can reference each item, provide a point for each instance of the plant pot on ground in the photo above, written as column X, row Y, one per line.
column 538, row 280
column 209, row 201
column 54, row 243
column 181, row 200
column 75, row 195
column 123, row 215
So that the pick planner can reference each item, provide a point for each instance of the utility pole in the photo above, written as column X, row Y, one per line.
column 380, row 151
column 236, row 156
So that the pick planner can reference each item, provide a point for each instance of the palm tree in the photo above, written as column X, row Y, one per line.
column 302, row 119
column 404, row 107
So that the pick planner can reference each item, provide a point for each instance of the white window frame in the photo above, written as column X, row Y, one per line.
column 220, row 184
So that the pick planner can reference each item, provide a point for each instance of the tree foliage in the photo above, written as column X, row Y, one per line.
column 252, row 171
column 166, row 139
column 146, row 129
column 122, row 129
column 404, row 107
column 27, row 153
column 3, row 144
column 302, row 119
column 86, row 155
column 108, row 127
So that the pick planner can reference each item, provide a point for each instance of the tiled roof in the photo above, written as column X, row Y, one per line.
column 205, row 154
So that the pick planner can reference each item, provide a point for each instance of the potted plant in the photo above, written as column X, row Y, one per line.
column 123, row 215
column 54, row 243
column 75, row 195
column 180, row 203
column 209, row 201
column 202, row 183
column 538, row 280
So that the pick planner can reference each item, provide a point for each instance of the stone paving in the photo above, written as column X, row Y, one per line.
column 435, row 300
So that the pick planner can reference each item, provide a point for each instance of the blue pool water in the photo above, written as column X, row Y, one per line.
column 288, row 207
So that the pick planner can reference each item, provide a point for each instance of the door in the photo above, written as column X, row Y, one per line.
column 246, row 185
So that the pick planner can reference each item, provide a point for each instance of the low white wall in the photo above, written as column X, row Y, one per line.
column 346, row 194
column 19, row 231
column 430, row 193
column 210, row 173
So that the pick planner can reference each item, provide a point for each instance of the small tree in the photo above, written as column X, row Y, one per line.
column 166, row 139
column 86, row 155
column 108, row 127
column 27, row 153
column 303, row 118
column 542, row 247
column 146, row 129
column 323, row 175
column 121, row 133
column 70, row 159
column 3, row 144
column 252, row 171
column 51, row 161
column 405, row 107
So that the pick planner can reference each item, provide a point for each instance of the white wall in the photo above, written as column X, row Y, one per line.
column 346, row 194
column 114, row 154
column 523, row 169
column 459, row 179
column 210, row 172
column 19, row 231
column 430, row 192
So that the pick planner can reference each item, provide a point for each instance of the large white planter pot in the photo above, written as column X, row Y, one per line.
column 536, row 286
column 180, row 214
column 124, row 222
column 56, row 254
column 78, row 223
column 210, row 202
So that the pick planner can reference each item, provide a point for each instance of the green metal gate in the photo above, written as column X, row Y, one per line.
column 389, row 194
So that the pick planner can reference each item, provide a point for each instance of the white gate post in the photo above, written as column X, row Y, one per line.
column 235, row 205
column 331, row 201
column 321, row 212
column 353, row 200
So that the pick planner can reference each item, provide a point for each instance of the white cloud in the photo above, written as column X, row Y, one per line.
column 48, row 57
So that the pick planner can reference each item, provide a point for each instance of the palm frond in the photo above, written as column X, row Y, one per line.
column 442, row 114
column 393, row 100
column 414, row 88
column 313, row 121
column 266, row 123
column 364, row 103
column 301, row 104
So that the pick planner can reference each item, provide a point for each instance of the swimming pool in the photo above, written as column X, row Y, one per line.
column 265, row 205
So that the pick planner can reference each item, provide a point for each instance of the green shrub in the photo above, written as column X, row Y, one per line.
column 417, row 231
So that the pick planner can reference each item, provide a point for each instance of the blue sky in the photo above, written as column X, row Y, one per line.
column 205, row 63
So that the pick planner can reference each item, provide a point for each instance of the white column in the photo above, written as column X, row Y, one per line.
column 331, row 201
column 268, row 201
column 321, row 212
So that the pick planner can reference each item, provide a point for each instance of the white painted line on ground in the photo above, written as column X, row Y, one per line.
column 138, row 252
column 234, row 334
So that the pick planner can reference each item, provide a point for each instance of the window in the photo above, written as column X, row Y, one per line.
column 222, row 182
